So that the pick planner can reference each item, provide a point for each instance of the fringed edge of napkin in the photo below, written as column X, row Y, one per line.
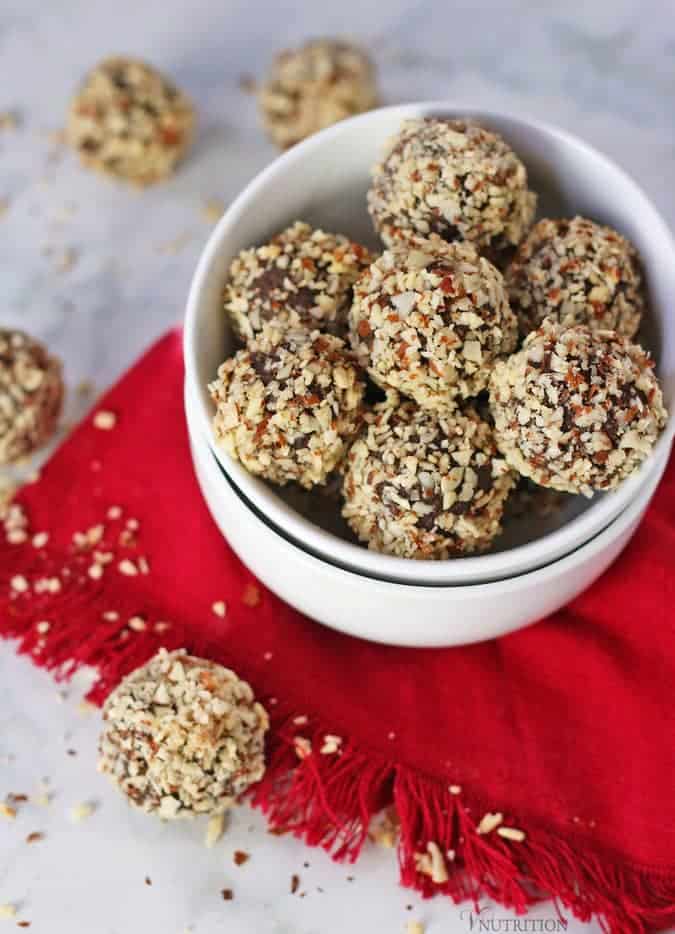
column 330, row 799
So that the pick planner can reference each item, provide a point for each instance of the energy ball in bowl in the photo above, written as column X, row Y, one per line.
column 453, row 178
column 287, row 406
column 421, row 485
column 576, row 410
column 31, row 395
column 576, row 272
column 301, row 278
column 182, row 736
column 314, row 86
column 129, row 121
column 431, row 321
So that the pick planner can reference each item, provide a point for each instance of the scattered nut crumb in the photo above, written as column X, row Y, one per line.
column 295, row 883
column 9, row 120
column 227, row 894
column 40, row 539
column 85, row 708
column 128, row 568
column 81, row 812
column 19, row 584
column 240, row 857
column 219, row 608
column 214, row 830
column 385, row 829
column 251, row 595
column 35, row 837
column 489, row 822
column 23, row 924
column 43, row 627
column 455, row 789
column 7, row 811
column 212, row 210
column 303, row 747
column 104, row 420
column 85, row 388
column 247, row 84
column 148, row 880
column 137, row 623
column 300, row 721
column 414, row 927
column 432, row 863
column 7, row 911
column 172, row 247
column 331, row 745
column 511, row 833
column 65, row 259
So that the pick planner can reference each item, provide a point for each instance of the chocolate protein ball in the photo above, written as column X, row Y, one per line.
column 129, row 121
column 422, row 485
column 431, row 321
column 182, row 736
column 576, row 272
column 302, row 277
column 576, row 410
column 453, row 178
column 314, row 86
column 31, row 395
column 286, row 407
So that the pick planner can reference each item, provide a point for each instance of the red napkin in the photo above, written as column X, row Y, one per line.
column 566, row 729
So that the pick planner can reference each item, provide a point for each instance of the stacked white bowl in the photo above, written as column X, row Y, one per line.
column 308, row 558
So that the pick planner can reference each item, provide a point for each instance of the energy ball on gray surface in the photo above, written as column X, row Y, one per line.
column 129, row 121
column 287, row 407
column 421, row 485
column 431, row 321
column 453, row 178
column 576, row 410
column 576, row 272
column 314, row 86
column 182, row 736
column 302, row 277
column 31, row 395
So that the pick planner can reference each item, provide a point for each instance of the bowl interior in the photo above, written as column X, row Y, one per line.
column 324, row 181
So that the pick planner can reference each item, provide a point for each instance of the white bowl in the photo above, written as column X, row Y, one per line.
column 405, row 614
column 324, row 181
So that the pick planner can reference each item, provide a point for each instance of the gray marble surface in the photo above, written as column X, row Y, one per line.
column 605, row 70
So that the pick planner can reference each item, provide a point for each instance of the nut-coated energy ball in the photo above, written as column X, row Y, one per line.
column 182, row 736
column 314, row 86
column 576, row 272
column 576, row 410
column 422, row 485
column 31, row 395
column 287, row 407
column 453, row 178
column 129, row 121
column 301, row 278
column 431, row 322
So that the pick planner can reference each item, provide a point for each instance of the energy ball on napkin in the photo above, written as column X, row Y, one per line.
column 576, row 272
column 288, row 406
column 182, row 736
column 31, row 395
column 422, row 485
column 314, row 86
column 302, row 277
column 129, row 121
column 576, row 410
column 431, row 321
column 453, row 178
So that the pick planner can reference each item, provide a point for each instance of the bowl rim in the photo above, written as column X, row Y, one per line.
column 453, row 571
column 507, row 585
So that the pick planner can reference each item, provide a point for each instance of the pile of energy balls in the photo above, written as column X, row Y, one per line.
column 501, row 349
